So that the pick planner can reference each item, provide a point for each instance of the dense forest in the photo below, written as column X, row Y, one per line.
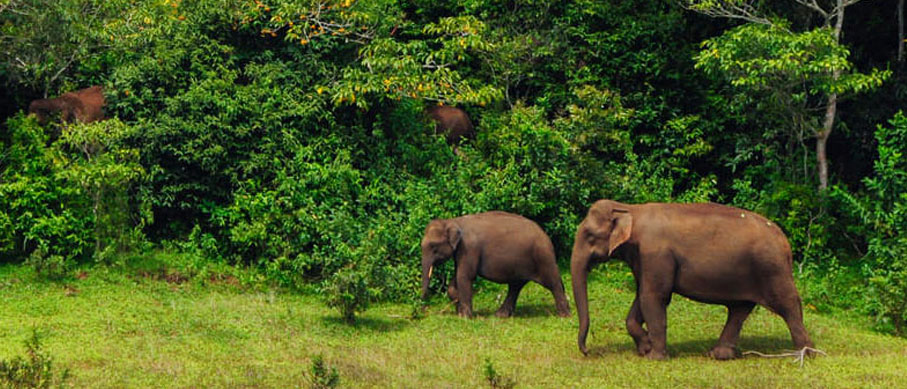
column 291, row 137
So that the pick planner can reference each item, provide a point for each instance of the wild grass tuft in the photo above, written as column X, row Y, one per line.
column 35, row 370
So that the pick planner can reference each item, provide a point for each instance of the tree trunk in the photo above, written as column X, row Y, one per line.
column 822, row 138
column 831, row 109
column 901, row 32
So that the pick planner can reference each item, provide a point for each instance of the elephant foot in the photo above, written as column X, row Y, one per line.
column 452, row 294
column 724, row 353
column 563, row 310
column 643, row 346
column 657, row 355
column 504, row 312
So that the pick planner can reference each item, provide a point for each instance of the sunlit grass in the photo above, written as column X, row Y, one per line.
column 114, row 330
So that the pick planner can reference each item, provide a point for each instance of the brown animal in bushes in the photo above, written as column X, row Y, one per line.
column 453, row 122
column 707, row 252
column 84, row 105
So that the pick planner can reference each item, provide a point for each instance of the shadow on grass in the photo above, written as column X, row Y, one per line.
column 522, row 310
column 698, row 348
column 368, row 323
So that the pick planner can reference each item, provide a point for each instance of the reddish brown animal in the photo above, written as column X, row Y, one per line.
column 84, row 105
column 451, row 121
column 707, row 252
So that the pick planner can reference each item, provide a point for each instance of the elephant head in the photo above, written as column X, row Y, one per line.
column 607, row 226
column 45, row 108
column 442, row 237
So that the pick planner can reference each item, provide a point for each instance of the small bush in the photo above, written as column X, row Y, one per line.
column 495, row 379
column 322, row 376
column 36, row 370
column 349, row 291
column 52, row 267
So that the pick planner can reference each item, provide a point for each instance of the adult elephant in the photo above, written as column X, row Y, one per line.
column 453, row 122
column 708, row 252
column 499, row 246
column 84, row 105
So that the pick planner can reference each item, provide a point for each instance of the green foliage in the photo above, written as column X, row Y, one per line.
column 495, row 379
column 883, row 212
column 322, row 376
column 291, row 136
column 46, row 217
column 350, row 292
column 780, row 80
column 95, row 158
column 71, row 198
column 36, row 370
column 56, row 41
column 772, row 58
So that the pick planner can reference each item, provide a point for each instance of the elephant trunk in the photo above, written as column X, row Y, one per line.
column 579, row 271
column 427, row 267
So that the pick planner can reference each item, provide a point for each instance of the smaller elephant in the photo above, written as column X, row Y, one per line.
column 499, row 246
column 84, row 105
column 451, row 121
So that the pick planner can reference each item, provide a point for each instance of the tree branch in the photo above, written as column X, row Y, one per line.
column 743, row 10
column 813, row 5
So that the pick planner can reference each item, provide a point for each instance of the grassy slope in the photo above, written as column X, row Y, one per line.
column 117, row 331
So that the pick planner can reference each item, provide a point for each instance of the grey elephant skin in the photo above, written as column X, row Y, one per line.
column 84, row 105
column 707, row 252
column 499, row 246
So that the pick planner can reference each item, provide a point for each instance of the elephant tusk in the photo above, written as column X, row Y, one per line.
column 430, row 270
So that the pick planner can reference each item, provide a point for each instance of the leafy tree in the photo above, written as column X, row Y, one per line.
column 800, row 72
column 52, row 45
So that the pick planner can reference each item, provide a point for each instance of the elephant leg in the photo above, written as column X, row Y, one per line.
column 655, row 290
column 634, row 327
column 452, row 289
column 787, row 304
column 727, row 342
column 552, row 282
column 464, row 290
column 452, row 292
column 513, row 291
column 654, row 311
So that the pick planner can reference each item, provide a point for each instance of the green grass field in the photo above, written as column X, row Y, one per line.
column 114, row 330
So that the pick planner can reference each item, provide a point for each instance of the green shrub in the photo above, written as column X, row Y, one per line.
column 495, row 379
column 70, row 199
column 36, row 370
column 53, row 267
column 883, row 210
column 41, row 210
column 322, row 376
column 350, row 291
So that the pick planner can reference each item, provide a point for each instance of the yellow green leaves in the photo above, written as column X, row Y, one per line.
column 764, row 57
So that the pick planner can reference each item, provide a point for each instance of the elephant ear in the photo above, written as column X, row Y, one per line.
column 623, row 224
column 454, row 234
